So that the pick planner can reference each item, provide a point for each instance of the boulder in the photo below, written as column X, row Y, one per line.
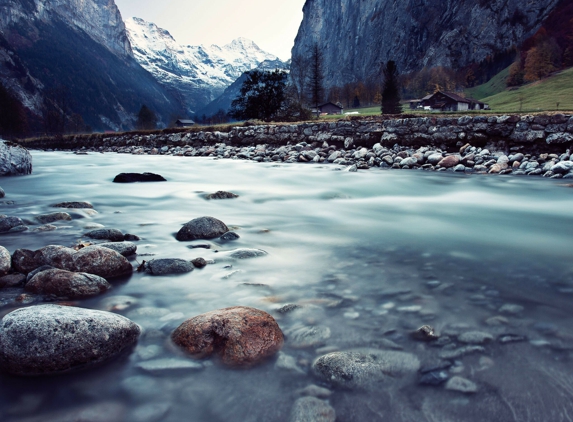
column 103, row 262
column 242, row 336
column 14, row 159
column 229, row 236
column 202, row 228
column 8, row 223
column 49, row 339
column 168, row 266
column 5, row 261
column 23, row 261
column 74, row 205
column 435, row 158
column 124, row 248
column 312, row 409
column 138, row 177
column 54, row 216
column 301, row 336
column 12, row 280
column 363, row 367
column 2, row 193
column 114, row 235
column 562, row 167
column 221, row 195
column 66, row 284
column 449, row 161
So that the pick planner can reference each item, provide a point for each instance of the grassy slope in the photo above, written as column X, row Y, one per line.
column 494, row 86
column 538, row 96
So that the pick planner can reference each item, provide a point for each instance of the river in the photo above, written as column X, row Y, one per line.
column 371, row 256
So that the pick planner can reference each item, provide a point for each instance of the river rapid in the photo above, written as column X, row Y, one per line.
column 369, row 257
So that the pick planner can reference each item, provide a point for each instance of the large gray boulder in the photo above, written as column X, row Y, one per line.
column 168, row 266
column 363, row 367
column 66, row 284
column 50, row 339
column 8, row 223
column 14, row 159
column 5, row 261
column 202, row 228
column 103, row 262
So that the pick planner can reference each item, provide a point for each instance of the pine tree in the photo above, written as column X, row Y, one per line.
column 146, row 119
column 391, row 90
column 316, row 76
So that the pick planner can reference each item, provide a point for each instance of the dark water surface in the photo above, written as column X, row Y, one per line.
column 371, row 256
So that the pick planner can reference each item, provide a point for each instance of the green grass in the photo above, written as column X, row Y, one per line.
column 538, row 96
column 494, row 86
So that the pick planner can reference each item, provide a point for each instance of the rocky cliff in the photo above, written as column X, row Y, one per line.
column 357, row 35
column 77, row 50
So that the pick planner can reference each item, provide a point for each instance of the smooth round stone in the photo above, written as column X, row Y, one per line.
column 229, row 236
column 242, row 336
column 54, row 216
column 475, row 337
column 511, row 309
column 138, row 177
column 73, row 204
column 113, row 235
column 168, row 266
column 221, row 195
column 23, row 261
column 49, row 339
column 301, row 337
column 9, row 223
column 307, row 409
column 12, row 280
column 5, row 261
column 66, row 284
column 462, row 385
column 2, row 193
column 123, row 248
column 247, row 253
column 118, row 303
column 202, row 228
column 363, row 367
column 168, row 365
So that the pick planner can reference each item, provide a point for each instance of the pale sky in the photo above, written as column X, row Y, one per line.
column 271, row 24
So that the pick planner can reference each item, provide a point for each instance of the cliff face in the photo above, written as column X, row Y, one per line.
column 356, row 36
column 78, row 49
column 100, row 19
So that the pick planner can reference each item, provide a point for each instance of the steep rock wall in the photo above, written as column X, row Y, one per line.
column 356, row 36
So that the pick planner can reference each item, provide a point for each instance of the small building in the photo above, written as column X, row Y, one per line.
column 184, row 123
column 448, row 101
column 331, row 108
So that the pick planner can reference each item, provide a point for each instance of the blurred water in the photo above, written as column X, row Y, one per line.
column 457, row 247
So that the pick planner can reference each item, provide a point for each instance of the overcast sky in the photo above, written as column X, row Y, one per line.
column 271, row 24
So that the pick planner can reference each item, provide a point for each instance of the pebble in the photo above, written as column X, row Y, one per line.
column 511, row 309
column 461, row 385
column 311, row 409
column 168, row 365
column 247, row 253
column 301, row 337
column 434, row 378
column 123, row 248
column 288, row 363
column 230, row 236
column 475, row 337
column 462, row 351
column 314, row 391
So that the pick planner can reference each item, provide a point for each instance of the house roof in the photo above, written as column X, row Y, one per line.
column 329, row 103
column 185, row 121
column 458, row 98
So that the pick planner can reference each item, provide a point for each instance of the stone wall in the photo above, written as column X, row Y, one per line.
column 540, row 132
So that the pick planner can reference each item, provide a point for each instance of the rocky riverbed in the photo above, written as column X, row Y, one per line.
column 329, row 275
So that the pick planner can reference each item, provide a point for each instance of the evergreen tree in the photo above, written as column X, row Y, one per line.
column 13, row 121
column 391, row 90
column 146, row 119
column 262, row 96
column 316, row 77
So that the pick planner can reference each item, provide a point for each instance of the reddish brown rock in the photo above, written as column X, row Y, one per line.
column 449, row 161
column 242, row 336
column 23, row 261
column 62, row 283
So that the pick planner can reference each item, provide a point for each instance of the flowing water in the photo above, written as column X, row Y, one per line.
column 371, row 256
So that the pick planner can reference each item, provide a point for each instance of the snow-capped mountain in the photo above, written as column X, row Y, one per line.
column 198, row 73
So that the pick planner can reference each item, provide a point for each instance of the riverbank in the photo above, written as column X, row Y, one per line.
column 537, row 145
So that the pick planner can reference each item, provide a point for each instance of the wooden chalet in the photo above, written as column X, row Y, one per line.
column 184, row 123
column 331, row 108
column 448, row 101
